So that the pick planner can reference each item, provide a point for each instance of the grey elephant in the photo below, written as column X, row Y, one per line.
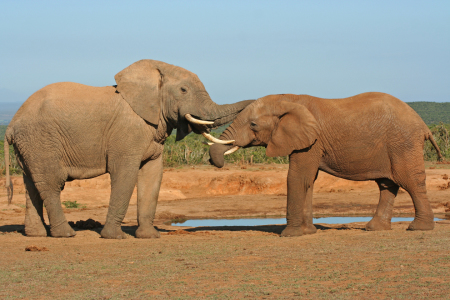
column 68, row 131
column 371, row 136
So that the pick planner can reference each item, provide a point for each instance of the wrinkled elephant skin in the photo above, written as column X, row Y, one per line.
column 69, row 131
column 371, row 136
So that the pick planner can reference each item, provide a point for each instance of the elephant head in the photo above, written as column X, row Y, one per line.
column 274, row 122
column 158, row 91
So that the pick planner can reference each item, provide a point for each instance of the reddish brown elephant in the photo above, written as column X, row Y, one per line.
column 371, row 136
column 68, row 131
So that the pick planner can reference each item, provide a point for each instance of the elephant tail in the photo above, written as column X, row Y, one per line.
column 8, row 184
column 429, row 136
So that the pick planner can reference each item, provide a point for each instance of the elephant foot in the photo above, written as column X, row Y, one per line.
column 421, row 224
column 34, row 229
column 112, row 232
column 147, row 232
column 62, row 231
column 309, row 229
column 378, row 224
column 292, row 231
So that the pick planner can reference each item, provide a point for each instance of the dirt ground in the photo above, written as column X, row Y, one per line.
column 340, row 261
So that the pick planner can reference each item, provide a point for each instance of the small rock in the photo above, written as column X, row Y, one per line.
column 35, row 248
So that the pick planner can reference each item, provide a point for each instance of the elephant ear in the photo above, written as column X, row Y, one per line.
column 140, row 85
column 297, row 129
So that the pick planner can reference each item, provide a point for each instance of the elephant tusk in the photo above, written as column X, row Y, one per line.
column 196, row 121
column 206, row 135
column 206, row 143
column 234, row 149
column 214, row 140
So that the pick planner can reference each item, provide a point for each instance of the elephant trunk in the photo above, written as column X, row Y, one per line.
column 224, row 114
column 208, row 110
column 217, row 154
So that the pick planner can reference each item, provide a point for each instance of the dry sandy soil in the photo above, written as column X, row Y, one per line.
column 340, row 261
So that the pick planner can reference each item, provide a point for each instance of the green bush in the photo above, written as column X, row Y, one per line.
column 14, row 168
column 192, row 151
column 441, row 136
column 189, row 151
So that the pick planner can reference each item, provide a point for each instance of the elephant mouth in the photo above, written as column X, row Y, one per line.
column 195, row 122
column 217, row 156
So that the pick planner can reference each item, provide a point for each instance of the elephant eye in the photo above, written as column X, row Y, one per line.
column 183, row 90
column 253, row 125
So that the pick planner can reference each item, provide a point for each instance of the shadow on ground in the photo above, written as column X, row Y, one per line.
column 277, row 229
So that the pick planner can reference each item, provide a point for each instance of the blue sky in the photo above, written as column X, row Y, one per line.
column 239, row 49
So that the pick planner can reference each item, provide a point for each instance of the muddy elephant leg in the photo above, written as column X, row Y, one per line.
column 149, row 183
column 34, row 217
column 383, row 215
column 412, row 179
column 303, row 168
column 424, row 216
column 123, row 180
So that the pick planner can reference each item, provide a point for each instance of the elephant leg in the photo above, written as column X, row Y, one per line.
column 149, row 183
column 124, row 175
column 58, row 223
column 34, row 217
column 43, row 181
column 412, row 179
column 424, row 216
column 303, row 168
column 307, row 225
column 383, row 215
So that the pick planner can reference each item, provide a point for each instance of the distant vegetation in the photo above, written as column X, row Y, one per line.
column 432, row 112
column 192, row 151
column 2, row 132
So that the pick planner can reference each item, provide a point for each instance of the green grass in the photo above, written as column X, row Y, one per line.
column 72, row 204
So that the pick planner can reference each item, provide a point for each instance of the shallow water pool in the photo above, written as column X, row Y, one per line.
column 272, row 221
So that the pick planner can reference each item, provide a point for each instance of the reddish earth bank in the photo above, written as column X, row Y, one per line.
column 207, row 192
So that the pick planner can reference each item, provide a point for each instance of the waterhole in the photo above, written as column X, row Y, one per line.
column 273, row 221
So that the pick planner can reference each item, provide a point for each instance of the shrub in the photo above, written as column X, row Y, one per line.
column 14, row 168
column 441, row 136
